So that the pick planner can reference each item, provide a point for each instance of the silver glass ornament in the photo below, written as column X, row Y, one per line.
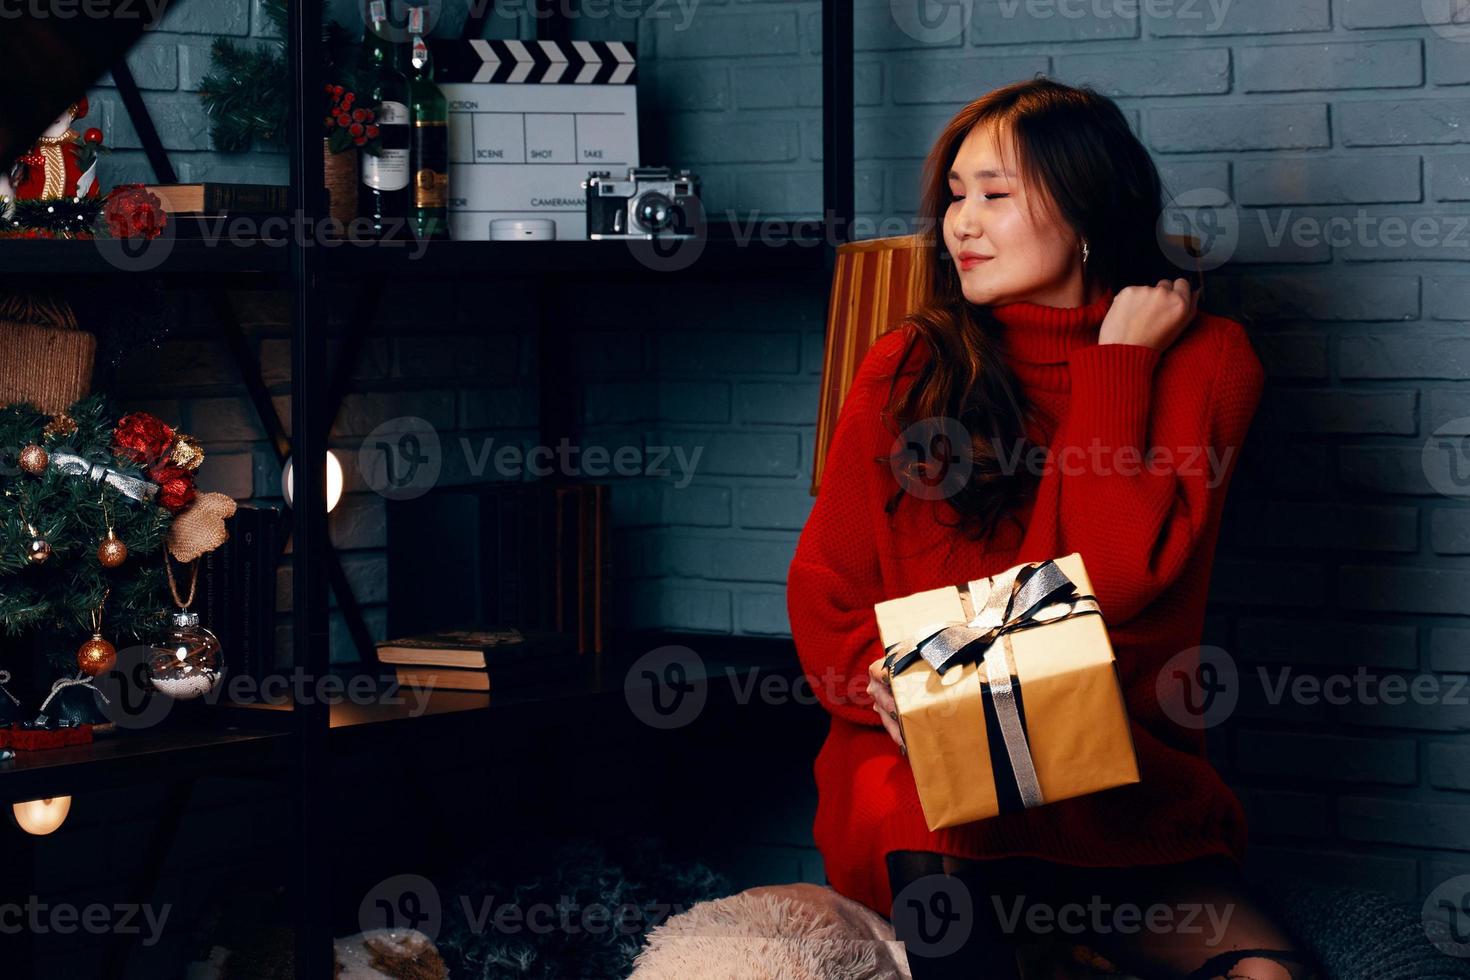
column 187, row 662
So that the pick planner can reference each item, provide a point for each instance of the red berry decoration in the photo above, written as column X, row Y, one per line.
column 93, row 135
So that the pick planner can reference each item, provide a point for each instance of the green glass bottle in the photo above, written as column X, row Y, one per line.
column 430, row 156
column 384, row 197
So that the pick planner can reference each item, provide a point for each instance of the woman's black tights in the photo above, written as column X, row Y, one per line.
column 1190, row 921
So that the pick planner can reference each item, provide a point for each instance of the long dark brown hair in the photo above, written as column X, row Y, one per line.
column 1076, row 145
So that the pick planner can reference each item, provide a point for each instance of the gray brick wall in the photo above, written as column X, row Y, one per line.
column 1346, row 538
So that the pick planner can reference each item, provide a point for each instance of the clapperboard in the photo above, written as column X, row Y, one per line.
column 527, row 121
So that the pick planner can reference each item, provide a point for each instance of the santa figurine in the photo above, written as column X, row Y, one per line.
column 60, row 165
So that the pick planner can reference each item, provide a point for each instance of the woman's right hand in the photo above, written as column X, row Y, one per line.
column 883, row 702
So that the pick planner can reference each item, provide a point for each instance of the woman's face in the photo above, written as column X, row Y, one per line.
column 1006, row 241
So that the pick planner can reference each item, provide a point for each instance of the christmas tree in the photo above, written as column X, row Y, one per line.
column 75, row 485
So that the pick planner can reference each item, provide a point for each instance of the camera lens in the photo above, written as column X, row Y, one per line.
column 654, row 211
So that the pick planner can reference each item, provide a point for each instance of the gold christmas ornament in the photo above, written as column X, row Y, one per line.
column 96, row 656
column 34, row 460
column 38, row 549
column 111, row 552
column 61, row 426
column 186, row 453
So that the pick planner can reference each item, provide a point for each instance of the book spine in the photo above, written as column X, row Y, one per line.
column 603, row 570
column 585, row 558
column 231, row 198
column 559, row 548
column 265, row 610
column 247, row 592
column 221, row 616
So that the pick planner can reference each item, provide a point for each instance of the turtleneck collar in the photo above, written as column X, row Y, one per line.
column 1040, row 334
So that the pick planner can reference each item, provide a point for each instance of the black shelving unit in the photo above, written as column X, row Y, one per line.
column 297, row 744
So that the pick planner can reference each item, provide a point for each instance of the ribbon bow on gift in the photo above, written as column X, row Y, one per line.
column 132, row 487
column 1024, row 597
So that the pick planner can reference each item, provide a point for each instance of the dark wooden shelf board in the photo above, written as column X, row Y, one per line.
column 715, row 257
column 722, row 663
column 230, row 258
column 36, row 257
column 125, row 757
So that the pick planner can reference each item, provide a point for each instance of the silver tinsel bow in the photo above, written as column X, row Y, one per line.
column 132, row 487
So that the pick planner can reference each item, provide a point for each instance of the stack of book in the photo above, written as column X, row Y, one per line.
column 533, row 555
column 220, row 210
column 475, row 660
column 236, row 593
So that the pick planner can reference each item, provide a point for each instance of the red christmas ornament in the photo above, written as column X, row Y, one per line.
column 93, row 135
column 134, row 212
column 175, row 487
column 141, row 438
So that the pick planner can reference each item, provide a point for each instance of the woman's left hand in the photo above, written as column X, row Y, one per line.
column 1149, row 316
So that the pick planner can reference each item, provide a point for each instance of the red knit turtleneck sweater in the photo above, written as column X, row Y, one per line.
column 1145, row 524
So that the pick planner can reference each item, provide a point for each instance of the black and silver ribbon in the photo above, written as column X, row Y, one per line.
column 1023, row 597
column 133, row 487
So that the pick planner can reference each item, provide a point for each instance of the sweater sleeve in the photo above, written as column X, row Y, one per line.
column 1135, row 511
column 834, row 578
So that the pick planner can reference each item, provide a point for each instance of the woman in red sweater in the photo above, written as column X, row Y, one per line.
column 1051, row 320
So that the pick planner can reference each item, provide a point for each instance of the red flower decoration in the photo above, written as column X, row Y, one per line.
column 355, row 129
column 134, row 212
column 93, row 135
column 141, row 438
column 175, row 486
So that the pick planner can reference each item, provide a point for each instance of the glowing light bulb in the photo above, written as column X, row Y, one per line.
column 41, row 817
column 334, row 481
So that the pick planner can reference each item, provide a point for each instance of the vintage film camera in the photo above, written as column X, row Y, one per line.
column 653, row 202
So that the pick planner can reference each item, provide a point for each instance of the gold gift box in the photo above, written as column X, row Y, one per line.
column 1029, row 709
